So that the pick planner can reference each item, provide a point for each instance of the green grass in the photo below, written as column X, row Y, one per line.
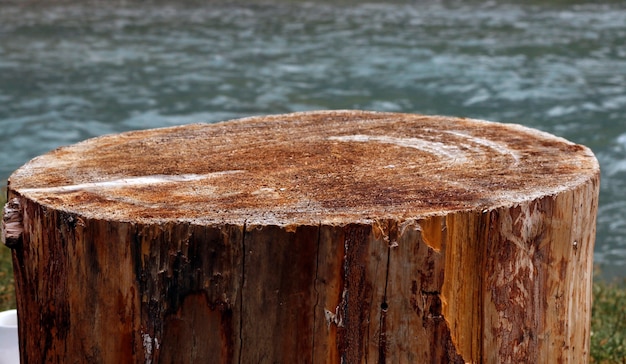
column 608, row 321
column 7, row 292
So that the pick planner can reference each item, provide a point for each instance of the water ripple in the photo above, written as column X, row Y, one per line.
column 73, row 71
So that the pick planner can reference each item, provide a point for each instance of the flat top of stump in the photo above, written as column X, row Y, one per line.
column 311, row 167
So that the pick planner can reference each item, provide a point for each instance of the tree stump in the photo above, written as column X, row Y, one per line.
column 316, row 237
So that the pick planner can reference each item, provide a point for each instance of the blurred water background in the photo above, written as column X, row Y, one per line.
column 70, row 71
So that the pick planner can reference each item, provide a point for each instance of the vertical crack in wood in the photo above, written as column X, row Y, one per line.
column 382, row 336
column 487, row 218
column 241, row 287
column 317, row 294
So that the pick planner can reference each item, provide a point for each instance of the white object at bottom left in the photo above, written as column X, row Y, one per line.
column 9, row 346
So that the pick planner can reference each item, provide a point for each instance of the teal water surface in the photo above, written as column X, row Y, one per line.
column 73, row 71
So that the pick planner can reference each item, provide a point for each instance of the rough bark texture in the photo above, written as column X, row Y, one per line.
column 322, row 237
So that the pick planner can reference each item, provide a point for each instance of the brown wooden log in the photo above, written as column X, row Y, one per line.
column 320, row 237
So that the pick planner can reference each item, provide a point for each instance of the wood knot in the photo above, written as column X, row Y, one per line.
column 12, row 224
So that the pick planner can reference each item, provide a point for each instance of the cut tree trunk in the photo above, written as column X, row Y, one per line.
column 318, row 237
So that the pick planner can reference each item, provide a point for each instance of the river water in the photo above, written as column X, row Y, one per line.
column 73, row 71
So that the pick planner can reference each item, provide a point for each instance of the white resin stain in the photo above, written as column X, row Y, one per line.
column 450, row 153
column 128, row 182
